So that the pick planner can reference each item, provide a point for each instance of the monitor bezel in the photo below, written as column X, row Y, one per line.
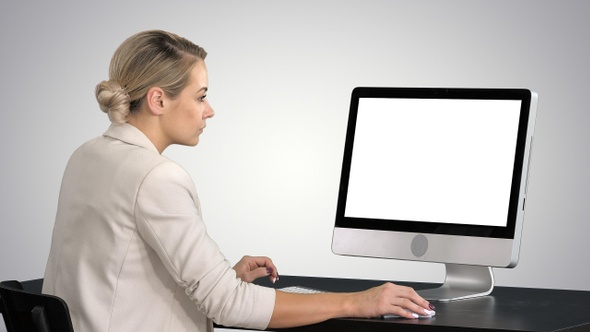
column 429, row 227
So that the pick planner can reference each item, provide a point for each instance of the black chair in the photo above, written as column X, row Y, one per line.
column 24, row 311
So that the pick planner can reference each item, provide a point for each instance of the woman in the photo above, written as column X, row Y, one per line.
column 130, row 251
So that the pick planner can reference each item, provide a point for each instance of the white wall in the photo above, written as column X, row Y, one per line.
column 267, row 167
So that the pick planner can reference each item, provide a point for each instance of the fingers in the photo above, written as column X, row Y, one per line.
column 250, row 268
column 269, row 268
column 255, row 274
column 413, row 310
column 407, row 302
column 272, row 273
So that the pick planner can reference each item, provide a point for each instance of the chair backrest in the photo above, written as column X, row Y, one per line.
column 25, row 311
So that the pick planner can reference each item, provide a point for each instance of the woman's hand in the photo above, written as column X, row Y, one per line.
column 250, row 268
column 390, row 299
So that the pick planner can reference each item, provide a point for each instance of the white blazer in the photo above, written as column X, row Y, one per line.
column 130, row 251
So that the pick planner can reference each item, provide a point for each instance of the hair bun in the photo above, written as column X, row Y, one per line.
column 113, row 100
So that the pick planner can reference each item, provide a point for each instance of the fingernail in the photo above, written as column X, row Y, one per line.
column 415, row 315
column 268, row 270
column 273, row 280
column 432, row 307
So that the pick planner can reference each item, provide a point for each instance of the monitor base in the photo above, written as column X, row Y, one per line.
column 462, row 282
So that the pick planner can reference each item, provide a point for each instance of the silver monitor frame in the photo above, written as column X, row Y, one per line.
column 468, row 251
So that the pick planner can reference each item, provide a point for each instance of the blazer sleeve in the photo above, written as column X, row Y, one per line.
column 168, row 218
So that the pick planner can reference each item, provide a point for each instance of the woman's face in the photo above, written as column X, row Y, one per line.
column 186, row 114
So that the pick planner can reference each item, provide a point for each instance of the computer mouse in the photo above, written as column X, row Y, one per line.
column 428, row 314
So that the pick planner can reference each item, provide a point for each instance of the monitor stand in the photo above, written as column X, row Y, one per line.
column 462, row 282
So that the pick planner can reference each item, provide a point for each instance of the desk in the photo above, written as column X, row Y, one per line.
column 506, row 309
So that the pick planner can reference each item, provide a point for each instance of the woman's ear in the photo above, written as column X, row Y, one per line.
column 155, row 100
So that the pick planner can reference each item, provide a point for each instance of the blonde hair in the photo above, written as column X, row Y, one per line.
column 144, row 60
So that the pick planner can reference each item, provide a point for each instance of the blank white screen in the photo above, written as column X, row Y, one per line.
column 433, row 160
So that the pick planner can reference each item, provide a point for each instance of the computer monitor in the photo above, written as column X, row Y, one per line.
column 437, row 175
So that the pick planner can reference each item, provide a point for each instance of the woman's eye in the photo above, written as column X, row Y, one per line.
column 202, row 98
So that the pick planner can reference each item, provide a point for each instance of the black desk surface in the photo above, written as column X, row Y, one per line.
column 506, row 309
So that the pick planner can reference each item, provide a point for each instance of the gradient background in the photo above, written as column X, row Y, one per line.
column 281, row 72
